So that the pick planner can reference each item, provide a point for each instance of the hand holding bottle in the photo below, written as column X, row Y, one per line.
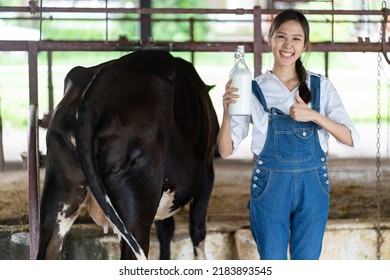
column 229, row 97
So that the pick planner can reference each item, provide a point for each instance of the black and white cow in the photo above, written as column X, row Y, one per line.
column 133, row 140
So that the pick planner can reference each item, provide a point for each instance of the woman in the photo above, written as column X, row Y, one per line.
column 294, row 112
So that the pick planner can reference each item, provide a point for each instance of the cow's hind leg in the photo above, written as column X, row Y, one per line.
column 165, row 230
column 198, row 215
column 59, row 210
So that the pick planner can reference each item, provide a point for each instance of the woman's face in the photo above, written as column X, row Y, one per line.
column 288, row 43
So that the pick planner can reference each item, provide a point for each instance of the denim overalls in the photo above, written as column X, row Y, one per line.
column 289, row 200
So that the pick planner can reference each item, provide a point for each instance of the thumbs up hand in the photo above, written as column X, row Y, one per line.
column 300, row 111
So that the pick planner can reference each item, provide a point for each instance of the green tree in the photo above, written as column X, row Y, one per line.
column 179, row 28
column 11, row 2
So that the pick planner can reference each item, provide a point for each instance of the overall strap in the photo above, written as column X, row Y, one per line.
column 256, row 90
column 315, row 88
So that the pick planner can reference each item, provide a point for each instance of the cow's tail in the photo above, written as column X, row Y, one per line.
column 85, row 135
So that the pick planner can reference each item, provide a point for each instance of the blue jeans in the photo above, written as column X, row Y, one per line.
column 289, row 208
column 289, row 200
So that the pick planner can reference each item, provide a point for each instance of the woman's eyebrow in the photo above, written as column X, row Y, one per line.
column 284, row 33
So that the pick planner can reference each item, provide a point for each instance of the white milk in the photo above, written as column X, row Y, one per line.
column 243, row 104
column 242, row 79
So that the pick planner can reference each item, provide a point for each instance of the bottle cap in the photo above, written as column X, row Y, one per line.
column 240, row 52
column 241, row 48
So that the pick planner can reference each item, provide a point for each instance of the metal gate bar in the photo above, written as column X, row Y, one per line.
column 33, row 150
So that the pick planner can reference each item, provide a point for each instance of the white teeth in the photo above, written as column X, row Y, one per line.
column 286, row 54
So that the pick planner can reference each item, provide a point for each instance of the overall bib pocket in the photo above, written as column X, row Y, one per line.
column 295, row 145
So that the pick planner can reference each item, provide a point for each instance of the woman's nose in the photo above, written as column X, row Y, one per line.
column 287, row 43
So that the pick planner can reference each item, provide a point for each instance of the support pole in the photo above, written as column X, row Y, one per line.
column 257, row 41
column 33, row 150
column 50, row 80
column 2, row 161
column 146, row 29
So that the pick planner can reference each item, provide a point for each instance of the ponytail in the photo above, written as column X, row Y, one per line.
column 304, row 91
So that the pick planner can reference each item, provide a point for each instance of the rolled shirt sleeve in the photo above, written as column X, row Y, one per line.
column 239, row 129
column 334, row 109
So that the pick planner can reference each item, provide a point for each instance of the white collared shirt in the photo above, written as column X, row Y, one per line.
column 277, row 95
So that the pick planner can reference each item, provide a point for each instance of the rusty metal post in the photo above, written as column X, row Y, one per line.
column 145, row 22
column 192, row 38
column 50, row 80
column 2, row 161
column 257, row 41
column 33, row 150
column 326, row 64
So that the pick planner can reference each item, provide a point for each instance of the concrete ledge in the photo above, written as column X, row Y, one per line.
column 344, row 240
column 355, row 240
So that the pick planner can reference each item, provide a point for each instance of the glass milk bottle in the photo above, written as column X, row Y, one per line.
column 242, row 79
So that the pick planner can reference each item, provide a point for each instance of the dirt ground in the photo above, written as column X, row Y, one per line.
column 353, row 191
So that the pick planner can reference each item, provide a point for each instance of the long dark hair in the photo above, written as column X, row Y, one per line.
column 281, row 18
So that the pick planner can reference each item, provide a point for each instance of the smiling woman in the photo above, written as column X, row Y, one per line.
column 292, row 123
